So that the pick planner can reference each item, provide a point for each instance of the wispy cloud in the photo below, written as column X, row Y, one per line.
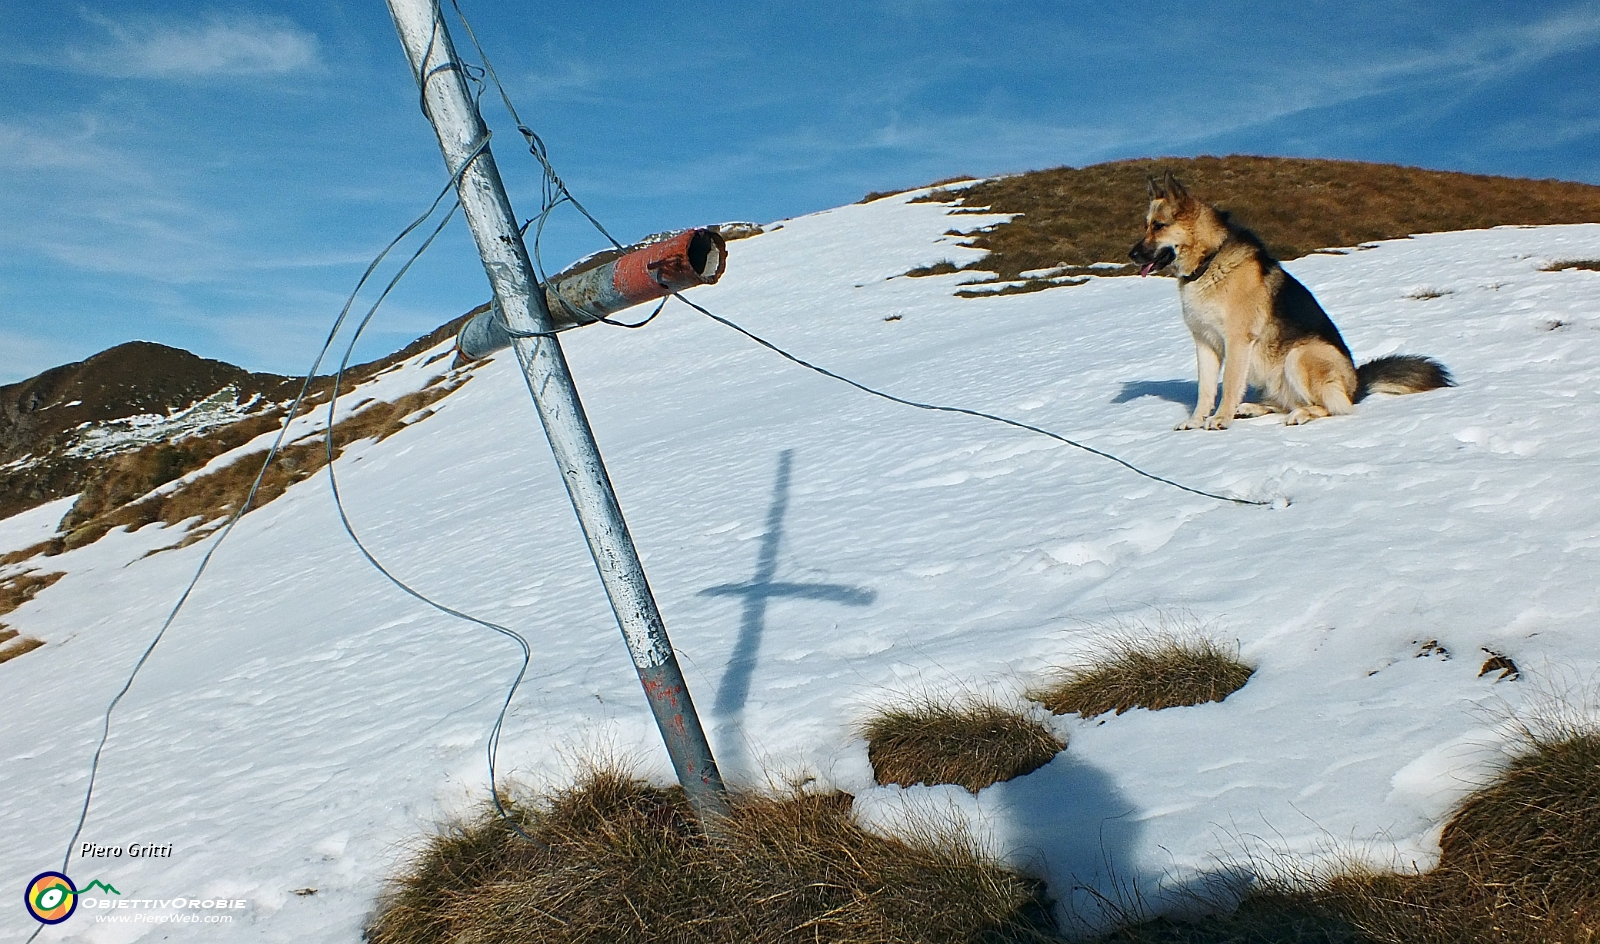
column 1431, row 78
column 79, row 199
column 63, row 144
column 218, row 46
column 564, row 79
column 25, row 352
column 1452, row 71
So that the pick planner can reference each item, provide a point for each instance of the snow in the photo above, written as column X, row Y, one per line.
column 817, row 553
column 34, row 525
column 133, row 432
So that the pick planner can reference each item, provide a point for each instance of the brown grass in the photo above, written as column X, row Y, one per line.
column 969, row 743
column 623, row 861
column 10, row 650
column 135, row 474
column 1154, row 671
column 17, row 590
column 944, row 267
column 880, row 194
column 1562, row 265
column 1499, row 662
column 140, row 377
column 1519, row 864
column 1078, row 216
column 216, row 495
column 26, row 554
column 1022, row 288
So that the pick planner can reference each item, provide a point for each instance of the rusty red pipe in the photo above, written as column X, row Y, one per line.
column 694, row 257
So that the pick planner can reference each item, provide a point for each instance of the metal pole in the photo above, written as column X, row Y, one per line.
column 463, row 139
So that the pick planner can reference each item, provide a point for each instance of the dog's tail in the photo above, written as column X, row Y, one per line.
column 1400, row 373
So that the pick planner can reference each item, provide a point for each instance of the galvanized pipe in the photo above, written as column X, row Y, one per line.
column 695, row 257
column 463, row 140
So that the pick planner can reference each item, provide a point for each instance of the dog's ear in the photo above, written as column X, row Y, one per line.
column 1174, row 189
column 1154, row 188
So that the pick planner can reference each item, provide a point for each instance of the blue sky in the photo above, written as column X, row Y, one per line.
column 216, row 176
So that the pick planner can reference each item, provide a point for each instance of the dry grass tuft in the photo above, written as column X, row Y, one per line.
column 17, row 590
column 943, row 267
column 1079, row 216
column 623, row 861
column 10, row 649
column 1155, row 671
column 1562, row 265
column 1526, row 849
column 1519, row 864
column 969, row 743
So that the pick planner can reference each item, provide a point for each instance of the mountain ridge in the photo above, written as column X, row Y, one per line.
column 1066, row 223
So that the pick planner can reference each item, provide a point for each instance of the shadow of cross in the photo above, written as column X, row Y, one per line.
column 734, row 689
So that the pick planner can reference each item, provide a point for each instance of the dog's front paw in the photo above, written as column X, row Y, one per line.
column 1193, row 422
column 1303, row 416
column 1218, row 422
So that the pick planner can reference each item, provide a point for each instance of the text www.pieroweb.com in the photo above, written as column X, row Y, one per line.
column 147, row 918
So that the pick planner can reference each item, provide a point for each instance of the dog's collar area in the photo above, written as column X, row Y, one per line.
column 1205, row 264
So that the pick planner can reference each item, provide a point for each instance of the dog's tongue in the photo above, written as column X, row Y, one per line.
column 1149, row 267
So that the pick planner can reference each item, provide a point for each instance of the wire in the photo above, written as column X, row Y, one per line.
column 556, row 193
column 250, row 496
column 344, row 519
column 554, row 190
column 493, row 744
column 962, row 410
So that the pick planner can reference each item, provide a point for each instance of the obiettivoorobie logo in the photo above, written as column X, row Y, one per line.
column 51, row 897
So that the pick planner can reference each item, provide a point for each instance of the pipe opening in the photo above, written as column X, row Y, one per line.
column 705, row 254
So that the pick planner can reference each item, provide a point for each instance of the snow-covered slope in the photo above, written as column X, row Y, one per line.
column 303, row 723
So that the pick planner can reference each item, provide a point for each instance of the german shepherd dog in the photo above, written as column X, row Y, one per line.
column 1257, row 325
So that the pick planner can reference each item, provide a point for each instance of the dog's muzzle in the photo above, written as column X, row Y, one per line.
column 1149, row 260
